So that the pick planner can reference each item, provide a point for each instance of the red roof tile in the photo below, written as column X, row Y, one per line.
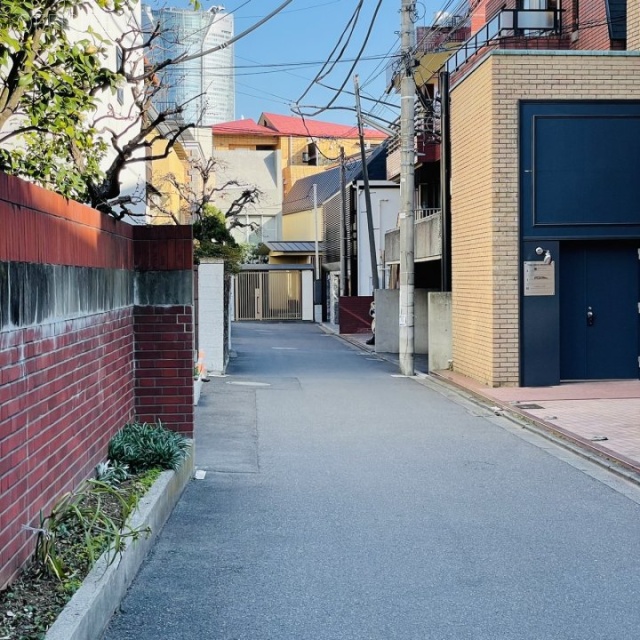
column 246, row 126
column 295, row 126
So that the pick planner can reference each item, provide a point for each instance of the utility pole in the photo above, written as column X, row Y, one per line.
column 407, row 170
column 343, row 225
column 317, row 285
column 375, row 284
column 315, row 229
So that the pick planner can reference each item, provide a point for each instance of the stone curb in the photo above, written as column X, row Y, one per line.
column 87, row 614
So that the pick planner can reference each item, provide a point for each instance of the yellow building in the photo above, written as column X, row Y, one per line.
column 167, row 179
column 306, row 146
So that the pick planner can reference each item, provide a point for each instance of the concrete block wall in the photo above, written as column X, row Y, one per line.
column 69, row 377
column 387, row 316
column 485, row 194
column 440, row 353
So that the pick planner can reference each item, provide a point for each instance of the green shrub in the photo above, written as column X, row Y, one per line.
column 112, row 473
column 143, row 446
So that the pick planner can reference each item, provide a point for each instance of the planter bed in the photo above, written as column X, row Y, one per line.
column 87, row 614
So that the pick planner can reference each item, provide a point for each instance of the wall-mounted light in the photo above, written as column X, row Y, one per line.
column 547, row 255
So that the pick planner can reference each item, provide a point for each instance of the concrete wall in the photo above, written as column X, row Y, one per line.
column 387, row 327
column 211, row 313
column 485, row 193
column 439, row 330
column 95, row 329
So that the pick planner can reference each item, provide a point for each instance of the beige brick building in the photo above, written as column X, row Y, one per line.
column 511, row 103
column 485, row 189
column 633, row 25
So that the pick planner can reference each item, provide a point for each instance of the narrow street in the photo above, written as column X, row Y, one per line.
column 342, row 501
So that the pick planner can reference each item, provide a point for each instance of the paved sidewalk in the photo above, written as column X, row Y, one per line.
column 602, row 417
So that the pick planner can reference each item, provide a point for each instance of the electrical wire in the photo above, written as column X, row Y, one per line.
column 353, row 21
column 358, row 56
column 282, row 66
column 241, row 35
column 313, row 6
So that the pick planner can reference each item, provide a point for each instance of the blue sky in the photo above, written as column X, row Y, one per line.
column 276, row 63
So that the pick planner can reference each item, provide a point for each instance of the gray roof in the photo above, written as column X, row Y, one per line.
column 300, row 197
column 292, row 247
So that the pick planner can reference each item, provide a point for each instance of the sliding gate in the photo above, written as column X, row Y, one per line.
column 269, row 295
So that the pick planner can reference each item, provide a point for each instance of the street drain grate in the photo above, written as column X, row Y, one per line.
column 530, row 405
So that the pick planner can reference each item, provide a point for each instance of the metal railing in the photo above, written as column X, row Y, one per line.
column 527, row 21
column 423, row 214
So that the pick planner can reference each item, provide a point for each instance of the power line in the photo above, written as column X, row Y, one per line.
column 313, row 6
column 353, row 21
column 246, row 32
column 282, row 66
column 358, row 57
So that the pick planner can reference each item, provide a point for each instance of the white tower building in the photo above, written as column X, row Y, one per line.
column 205, row 86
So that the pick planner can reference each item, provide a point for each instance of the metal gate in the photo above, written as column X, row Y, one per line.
column 269, row 295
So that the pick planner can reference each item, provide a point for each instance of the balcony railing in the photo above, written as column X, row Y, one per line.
column 525, row 21
column 427, row 238
column 422, row 214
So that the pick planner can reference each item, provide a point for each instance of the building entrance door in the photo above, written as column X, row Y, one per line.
column 599, row 313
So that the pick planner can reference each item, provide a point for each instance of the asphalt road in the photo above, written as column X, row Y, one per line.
column 341, row 502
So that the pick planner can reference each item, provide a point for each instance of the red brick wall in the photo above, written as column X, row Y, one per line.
column 69, row 379
column 593, row 31
column 65, row 389
column 39, row 226
column 354, row 314
column 164, row 349
column 164, row 366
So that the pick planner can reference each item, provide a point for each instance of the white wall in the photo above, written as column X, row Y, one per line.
column 307, row 294
column 211, row 314
column 260, row 169
column 111, row 114
column 385, row 205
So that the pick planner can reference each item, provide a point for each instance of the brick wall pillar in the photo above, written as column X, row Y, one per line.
column 163, row 326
